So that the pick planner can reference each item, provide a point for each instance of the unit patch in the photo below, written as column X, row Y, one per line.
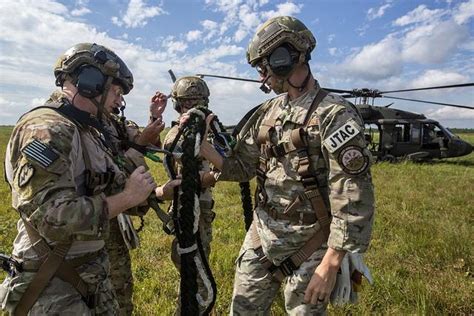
column 341, row 136
column 40, row 153
column 26, row 173
column 352, row 160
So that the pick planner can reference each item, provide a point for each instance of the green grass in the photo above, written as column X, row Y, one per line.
column 421, row 255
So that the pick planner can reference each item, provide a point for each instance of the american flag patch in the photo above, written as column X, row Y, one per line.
column 40, row 153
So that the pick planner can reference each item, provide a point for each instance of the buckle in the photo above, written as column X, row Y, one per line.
column 287, row 267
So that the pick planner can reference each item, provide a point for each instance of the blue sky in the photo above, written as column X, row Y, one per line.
column 385, row 45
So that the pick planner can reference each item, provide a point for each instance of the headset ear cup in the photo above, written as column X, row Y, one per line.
column 281, row 61
column 90, row 81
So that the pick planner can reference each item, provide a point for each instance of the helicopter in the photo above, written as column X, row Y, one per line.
column 394, row 134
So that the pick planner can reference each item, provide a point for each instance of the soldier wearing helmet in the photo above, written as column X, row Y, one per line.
column 189, row 92
column 67, row 186
column 314, row 198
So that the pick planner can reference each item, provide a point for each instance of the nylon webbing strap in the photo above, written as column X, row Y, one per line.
column 311, row 193
column 52, row 265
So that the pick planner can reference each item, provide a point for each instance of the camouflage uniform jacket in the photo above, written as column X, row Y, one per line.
column 342, row 167
column 205, row 196
column 46, row 167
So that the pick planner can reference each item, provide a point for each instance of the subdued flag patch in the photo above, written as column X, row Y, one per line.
column 40, row 153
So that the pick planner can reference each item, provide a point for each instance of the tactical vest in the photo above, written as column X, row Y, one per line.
column 311, row 184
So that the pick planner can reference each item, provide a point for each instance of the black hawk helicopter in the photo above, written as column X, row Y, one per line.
column 395, row 134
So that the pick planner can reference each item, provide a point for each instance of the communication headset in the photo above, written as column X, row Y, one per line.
column 283, row 59
column 90, row 80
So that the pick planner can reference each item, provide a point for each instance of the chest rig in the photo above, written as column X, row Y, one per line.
column 268, row 149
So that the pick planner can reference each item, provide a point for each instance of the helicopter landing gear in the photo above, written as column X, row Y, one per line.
column 419, row 156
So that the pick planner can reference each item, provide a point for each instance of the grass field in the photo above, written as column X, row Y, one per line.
column 421, row 256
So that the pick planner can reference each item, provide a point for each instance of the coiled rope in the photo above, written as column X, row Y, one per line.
column 186, row 213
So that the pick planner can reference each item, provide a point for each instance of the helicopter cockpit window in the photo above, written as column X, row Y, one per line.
column 431, row 133
column 402, row 133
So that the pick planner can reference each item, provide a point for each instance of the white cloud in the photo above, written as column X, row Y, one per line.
column 332, row 51
column 193, row 35
column 137, row 14
column 464, row 12
column 331, row 37
column 450, row 113
column 80, row 12
column 374, row 13
column 287, row 8
column 433, row 43
column 375, row 61
column 438, row 77
column 420, row 14
column 174, row 46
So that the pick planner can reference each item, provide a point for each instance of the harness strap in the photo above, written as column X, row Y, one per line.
column 53, row 265
column 311, row 193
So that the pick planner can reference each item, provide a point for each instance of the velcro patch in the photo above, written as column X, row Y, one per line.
column 26, row 173
column 352, row 160
column 40, row 153
column 341, row 136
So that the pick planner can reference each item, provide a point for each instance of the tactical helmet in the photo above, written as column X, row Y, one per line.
column 97, row 56
column 190, row 87
column 275, row 32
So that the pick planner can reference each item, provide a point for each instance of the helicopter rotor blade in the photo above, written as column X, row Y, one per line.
column 348, row 96
column 423, row 101
column 431, row 88
column 227, row 77
column 338, row 90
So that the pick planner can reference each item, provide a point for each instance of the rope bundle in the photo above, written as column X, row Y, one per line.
column 186, row 219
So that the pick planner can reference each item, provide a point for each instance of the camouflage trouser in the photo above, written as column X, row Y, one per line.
column 255, row 288
column 205, row 229
column 61, row 298
column 120, row 268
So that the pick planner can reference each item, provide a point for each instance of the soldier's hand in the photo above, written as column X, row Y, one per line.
column 165, row 191
column 139, row 185
column 323, row 280
column 151, row 132
column 158, row 104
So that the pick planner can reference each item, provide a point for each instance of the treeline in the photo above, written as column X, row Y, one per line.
column 462, row 130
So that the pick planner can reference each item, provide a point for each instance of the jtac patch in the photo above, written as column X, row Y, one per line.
column 26, row 173
column 341, row 136
column 352, row 160
column 40, row 153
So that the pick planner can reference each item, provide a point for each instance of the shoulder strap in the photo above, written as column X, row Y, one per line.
column 53, row 265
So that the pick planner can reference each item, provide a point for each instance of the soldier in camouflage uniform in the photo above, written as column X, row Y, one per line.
column 122, row 236
column 66, row 187
column 314, row 187
column 189, row 92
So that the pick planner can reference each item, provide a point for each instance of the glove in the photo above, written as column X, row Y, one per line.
column 342, row 290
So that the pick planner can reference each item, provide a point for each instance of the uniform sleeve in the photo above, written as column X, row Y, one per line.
column 351, row 194
column 44, row 187
column 242, row 164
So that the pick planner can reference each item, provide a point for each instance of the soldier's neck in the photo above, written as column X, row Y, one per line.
column 294, row 93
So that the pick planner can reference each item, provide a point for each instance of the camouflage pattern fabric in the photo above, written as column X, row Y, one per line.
column 207, row 214
column 45, row 165
column 339, row 155
column 60, row 298
column 120, row 262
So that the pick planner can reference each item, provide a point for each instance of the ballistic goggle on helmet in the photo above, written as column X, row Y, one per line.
column 278, row 31
column 97, row 56
column 188, row 89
